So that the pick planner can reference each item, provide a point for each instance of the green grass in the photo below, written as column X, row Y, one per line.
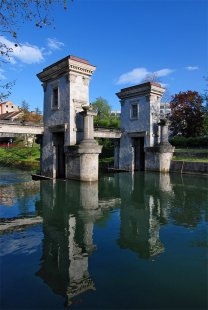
column 192, row 150
column 28, row 157
column 204, row 160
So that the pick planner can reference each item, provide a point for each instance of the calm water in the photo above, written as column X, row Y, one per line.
column 129, row 242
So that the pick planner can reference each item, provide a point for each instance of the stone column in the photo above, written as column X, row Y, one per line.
column 88, row 123
column 88, row 136
column 82, row 159
column 163, row 131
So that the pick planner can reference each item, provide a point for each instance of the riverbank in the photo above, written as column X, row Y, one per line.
column 21, row 157
column 184, row 160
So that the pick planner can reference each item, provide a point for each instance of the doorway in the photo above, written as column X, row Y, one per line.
column 139, row 156
column 58, row 142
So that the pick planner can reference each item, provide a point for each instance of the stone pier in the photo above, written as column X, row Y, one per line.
column 158, row 157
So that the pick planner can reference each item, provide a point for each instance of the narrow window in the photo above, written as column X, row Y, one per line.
column 55, row 98
column 134, row 111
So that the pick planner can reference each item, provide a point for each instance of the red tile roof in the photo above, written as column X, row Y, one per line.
column 9, row 115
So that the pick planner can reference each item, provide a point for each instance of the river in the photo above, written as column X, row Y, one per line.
column 130, row 241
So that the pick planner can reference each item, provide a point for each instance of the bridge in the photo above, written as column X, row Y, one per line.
column 15, row 128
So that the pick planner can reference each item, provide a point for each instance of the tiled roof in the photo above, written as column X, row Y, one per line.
column 10, row 115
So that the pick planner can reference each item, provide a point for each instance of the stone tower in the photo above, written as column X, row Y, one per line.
column 66, row 92
column 140, row 109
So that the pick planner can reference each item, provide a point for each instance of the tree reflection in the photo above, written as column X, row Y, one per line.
column 190, row 199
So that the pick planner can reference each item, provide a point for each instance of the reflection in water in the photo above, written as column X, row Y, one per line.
column 67, row 240
column 144, row 208
column 71, row 210
column 17, row 199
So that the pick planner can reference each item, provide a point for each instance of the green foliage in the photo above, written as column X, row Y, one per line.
column 102, row 108
column 108, row 147
column 20, row 156
column 104, row 117
column 180, row 141
column 187, row 114
column 205, row 123
column 110, row 122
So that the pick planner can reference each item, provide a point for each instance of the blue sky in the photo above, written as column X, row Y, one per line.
column 126, row 40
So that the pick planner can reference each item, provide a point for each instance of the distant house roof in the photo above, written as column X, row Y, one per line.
column 10, row 115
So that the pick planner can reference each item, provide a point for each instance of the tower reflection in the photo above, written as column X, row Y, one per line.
column 69, row 210
column 144, row 209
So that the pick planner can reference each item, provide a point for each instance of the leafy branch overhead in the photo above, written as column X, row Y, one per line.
column 15, row 13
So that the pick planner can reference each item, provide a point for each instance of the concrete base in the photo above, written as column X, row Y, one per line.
column 158, row 158
column 82, row 161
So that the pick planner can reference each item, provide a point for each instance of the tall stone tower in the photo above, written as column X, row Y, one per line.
column 140, row 109
column 66, row 92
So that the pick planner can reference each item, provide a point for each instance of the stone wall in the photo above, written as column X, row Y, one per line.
column 190, row 154
column 189, row 167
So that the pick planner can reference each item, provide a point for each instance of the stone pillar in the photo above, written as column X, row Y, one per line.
column 163, row 131
column 82, row 159
column 158, row 157
column 88, row 124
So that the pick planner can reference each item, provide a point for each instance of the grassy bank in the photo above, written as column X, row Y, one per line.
column 191, row 155
column 29, row 157
column 187, row 150
column 201, row 160
column 21, row 157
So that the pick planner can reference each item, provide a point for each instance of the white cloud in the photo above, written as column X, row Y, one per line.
column 137, row 75
column 163, row 72
column 26, row 53
column 54, row 44
column 134, row 76
column 192, row 68
column 165, row 85
column 2, row 76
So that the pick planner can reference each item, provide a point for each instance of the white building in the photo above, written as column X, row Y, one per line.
column 7, row 107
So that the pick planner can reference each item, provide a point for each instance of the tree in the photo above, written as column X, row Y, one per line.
column 25, row 110
column 104, row 117
column 25, row 106
column 12, row 15
column 205, row 99
column 102, row 108
column 28, row 116
column 187, row 114
column 38, row 111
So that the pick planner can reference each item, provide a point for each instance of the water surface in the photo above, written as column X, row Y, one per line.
column 130, row 241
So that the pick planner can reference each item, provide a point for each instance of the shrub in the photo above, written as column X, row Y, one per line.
column 199, row 142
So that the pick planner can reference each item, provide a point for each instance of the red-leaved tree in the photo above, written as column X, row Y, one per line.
column 187, row 114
